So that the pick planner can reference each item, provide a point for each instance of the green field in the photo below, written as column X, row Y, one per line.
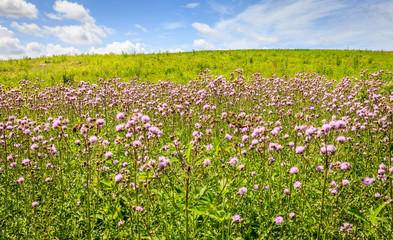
column 182, row 67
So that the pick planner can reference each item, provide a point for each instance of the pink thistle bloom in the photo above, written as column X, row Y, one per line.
column 243, row 190
column 291, row 144
column 287, row 192
column 145, row 118
column 26, row 162
column 236, row 218
column 297, row 184
column 267, row 187
column 77, row 142
column 93, row 139
column 119, row 127
column 368, row 181
column 330, row 148
column 233, row 161
column 33, row 146
column 254, row 142
column 294, row 170
column 118, row 177
column 377, row 195
column 341, row 139
column 138, row 208
column 120, row 224
column 345, row 166
column 34, row 204
column 120, row 116
column 300, row 149
column 48, row 179
column 345, row 182
column 21, row 180
column 229, row 137
column 241, row 166
column 100, row 122
column 244, row 138
column 105, row 143
column 108, row 155
column 209, row 147
column 292, row 215
column 136, row 143
column 255, row 187
column 286, row 136
column 279, row 220
column 207, row 162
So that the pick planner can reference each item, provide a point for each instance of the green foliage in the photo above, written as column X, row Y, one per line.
column 183, row 67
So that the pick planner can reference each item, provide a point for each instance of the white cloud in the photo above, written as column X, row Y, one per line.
column 192, row 5
column 27, row 28
column 304, row 24
column 172, row 25
column 119, row 48
column 87, row 33
column 140, row 27
column 71, row 10
column 203, row 44
column 18, row 9
column 203, row 28
column 10, row 47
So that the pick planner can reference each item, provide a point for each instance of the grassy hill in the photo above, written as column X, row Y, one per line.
column 182, row 67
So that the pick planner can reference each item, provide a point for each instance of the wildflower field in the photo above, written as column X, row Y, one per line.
column 300, row 157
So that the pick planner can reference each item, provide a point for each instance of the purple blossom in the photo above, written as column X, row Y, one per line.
column 292, row 215
column 118, row 177
column 287, row 192
column 120, row 116
column 294, row 170
column 345, row 182
column 345, row 166
column 243, row 190
column 236, row 218
column 93, row 139
column 120, row 224
column 279, row 220
column 368, row 181
column 21, row 180
column 300, row 149
column 319, row 168
column 34, row 204
column 297, row 184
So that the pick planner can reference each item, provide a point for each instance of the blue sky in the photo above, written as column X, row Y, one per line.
column 36, row 27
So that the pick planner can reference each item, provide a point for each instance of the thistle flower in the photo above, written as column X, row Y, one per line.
column 120, row 224
column 34, row 204
column 120, row 116
column 236, row 218
column 292, row 215
column 368, row 181
column 319, row 168
column 297, row 184
column 21, row 180
column 279, row 220
column 300, row 149
column 118, row 177
column 287, row 192
column 243, row 190
column 294, row 170
column 93, row 139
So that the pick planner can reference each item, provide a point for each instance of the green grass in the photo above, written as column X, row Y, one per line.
column 182, row 67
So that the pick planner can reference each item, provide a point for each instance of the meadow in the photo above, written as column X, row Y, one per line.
column 183, row 67
column 242, row 156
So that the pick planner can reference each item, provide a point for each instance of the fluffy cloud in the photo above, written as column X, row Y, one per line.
column 202, row 44
column 71, row 10
column 304, row 24
column 10, row 47
column 27, row 28
column 87, row 33
column 18, row 9
column 119, row 48
column 203, row 28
